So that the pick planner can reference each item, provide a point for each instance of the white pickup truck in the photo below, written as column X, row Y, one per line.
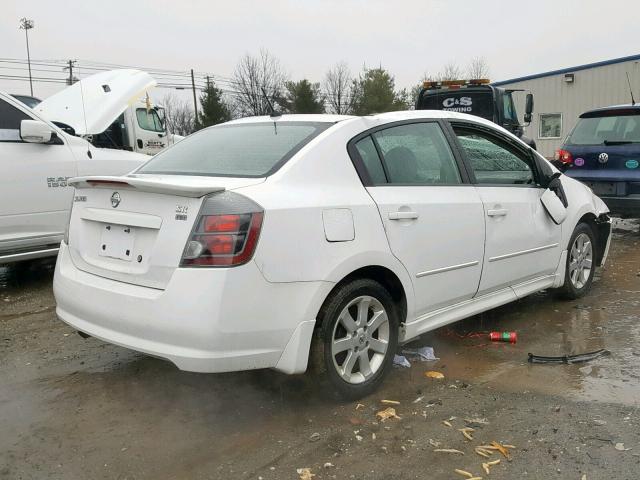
column 37, row 157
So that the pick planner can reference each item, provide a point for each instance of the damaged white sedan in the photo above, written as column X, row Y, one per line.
column 263, row 242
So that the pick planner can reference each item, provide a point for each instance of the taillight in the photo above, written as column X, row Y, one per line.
column 224, row 239
column 564, row 156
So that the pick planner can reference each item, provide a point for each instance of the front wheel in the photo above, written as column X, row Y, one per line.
column 357, row 338
column 580, row 266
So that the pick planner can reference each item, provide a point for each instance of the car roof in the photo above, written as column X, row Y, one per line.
column 384, row 117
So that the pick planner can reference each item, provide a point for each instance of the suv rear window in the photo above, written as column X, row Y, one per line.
column 606, row 130
column 240, row 150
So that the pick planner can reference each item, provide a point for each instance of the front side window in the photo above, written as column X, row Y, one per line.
column 236, row 150
column 509, row 109
column 417, row 154
column 550, row 125
column 149, row 120
column 10, row 120
column 494, row 161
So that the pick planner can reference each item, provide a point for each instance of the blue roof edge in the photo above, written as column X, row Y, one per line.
column 568, row 70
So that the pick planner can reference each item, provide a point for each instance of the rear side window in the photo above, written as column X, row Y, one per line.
column 606, row 130
column 240, row 150
column 494, row 161
column 371, row 160
column 10, row 119
column 417, row 154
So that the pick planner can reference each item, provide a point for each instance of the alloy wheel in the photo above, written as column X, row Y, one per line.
column 580, row 261
column 360, row 339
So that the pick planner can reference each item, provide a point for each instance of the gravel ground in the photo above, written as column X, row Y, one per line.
column 76, row 409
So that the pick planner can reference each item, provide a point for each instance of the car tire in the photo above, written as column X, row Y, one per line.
column 357, row 338
column 581, row 264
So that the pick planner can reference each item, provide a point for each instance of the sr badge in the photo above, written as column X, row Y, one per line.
column 115, row 199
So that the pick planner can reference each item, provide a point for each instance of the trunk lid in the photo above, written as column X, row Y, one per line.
column 134, row 229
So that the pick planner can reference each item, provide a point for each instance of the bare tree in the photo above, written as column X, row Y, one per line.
column 252, row 74
column 338, row 89
column 451, row 71
column 179, row 116
column 478, row 68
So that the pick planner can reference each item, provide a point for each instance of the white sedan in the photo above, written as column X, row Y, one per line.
column 263, row 242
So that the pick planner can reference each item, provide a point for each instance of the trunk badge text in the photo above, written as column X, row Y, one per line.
column 115, row 199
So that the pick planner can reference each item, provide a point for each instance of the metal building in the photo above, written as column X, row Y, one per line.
column 560, row 96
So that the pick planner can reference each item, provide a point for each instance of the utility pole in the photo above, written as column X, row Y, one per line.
column 70, row 80
column 26, row 25
column 195, row 100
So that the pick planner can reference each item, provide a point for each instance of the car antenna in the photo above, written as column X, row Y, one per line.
column 84, row 117
column 633, row 101
column 274, row 113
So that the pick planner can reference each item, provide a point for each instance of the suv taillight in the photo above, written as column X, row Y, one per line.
column 224, row 239
column 564, row 156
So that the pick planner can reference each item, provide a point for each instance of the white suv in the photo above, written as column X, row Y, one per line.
column 236, row 247
column 36, row 160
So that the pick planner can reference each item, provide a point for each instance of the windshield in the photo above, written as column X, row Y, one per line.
column 473, row 103
column 149, row 120
column 240, row 150
column 608, row 129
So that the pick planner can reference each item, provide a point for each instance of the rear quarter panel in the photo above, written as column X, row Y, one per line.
column 293, row 245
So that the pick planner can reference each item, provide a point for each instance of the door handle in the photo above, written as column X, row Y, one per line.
column 499, row 212
column 403, row 215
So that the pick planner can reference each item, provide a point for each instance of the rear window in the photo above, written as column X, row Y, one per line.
column 240, row 150
column 606, row 130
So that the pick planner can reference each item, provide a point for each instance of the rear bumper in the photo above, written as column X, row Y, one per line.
column 628, row 206
column 206, row 320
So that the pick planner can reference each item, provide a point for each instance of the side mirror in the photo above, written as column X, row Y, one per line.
column 35, row 131
column 528, row 109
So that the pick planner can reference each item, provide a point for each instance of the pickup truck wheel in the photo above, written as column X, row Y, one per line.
column 580, row 266
column 357, row 338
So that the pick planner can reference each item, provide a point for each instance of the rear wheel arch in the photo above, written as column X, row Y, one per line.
column 385, row 277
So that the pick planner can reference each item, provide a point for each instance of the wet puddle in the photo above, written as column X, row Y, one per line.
column 607, row 318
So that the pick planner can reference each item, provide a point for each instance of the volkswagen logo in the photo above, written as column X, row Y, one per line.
column 603, row 158
column 115, row 199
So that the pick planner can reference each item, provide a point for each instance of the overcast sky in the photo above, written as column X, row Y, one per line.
column 409, row 38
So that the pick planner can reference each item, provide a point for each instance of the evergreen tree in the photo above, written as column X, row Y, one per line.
column 302, row 97
column 374, row 92
column 214, row 110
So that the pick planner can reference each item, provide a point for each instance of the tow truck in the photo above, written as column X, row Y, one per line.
column 477, row 97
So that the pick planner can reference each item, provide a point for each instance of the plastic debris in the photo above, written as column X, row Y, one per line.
column 328, row 465
column 389, row 412
column 359, row 406
column 434, row 374
column 582, row 357
column 448, row 450
column 447, row 423
column 418, row 400
column 401, row 361
column 464, row 473
column 305, row 473
column 425, row 354
column 507, row 337
column 314, row 437
column 620, row 446
column 390, row 402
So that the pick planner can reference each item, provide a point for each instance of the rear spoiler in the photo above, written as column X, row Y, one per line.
column 151, row 185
